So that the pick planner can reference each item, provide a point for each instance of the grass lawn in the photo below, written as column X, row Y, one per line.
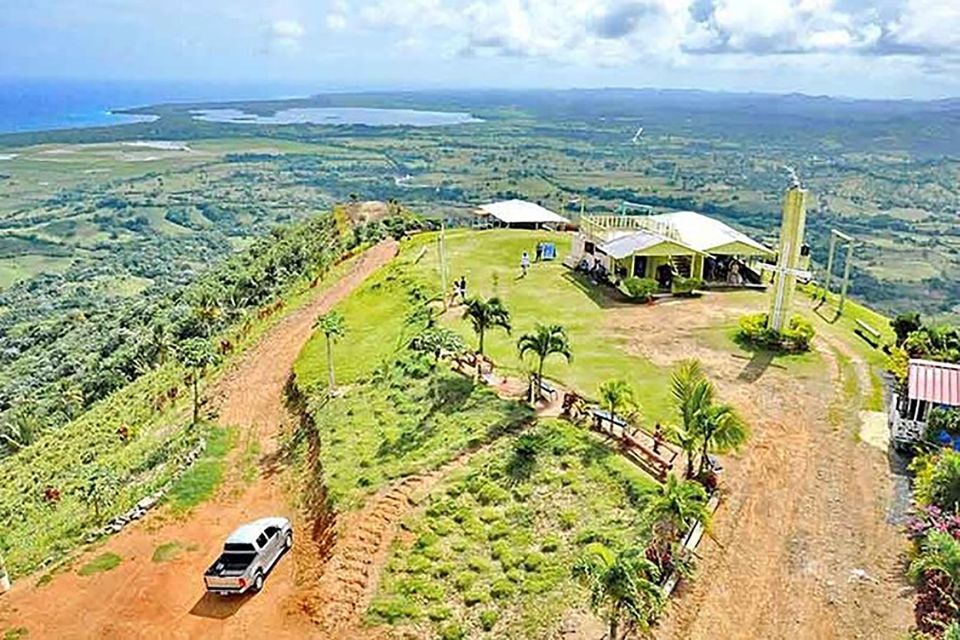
column 490, row 262
column 493, row 550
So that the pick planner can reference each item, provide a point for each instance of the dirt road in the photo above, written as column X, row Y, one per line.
column 146, row 599
column 802, row 548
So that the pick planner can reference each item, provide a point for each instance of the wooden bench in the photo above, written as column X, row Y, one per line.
column 547, row 388
column 868, row 333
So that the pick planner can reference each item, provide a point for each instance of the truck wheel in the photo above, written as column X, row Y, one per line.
column 258, row 582
column 288, row 541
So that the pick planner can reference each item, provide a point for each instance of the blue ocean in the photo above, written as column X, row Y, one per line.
column 37, row 105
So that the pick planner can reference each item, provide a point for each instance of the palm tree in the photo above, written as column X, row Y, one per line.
column 674, row 508
column 544, row 341
column 334, row 327
column 616, row 395
column 622, row 586
column 486, row 314
column 196, row 355
column 940, row 552
column 692, row 395
column 720, row 430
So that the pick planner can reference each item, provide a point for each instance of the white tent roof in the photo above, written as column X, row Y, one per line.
column 704, row 233
column 522, row 212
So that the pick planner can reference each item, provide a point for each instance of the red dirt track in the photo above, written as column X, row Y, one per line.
column 146, row 599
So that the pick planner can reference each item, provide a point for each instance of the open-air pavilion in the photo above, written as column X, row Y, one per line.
column 518, row 213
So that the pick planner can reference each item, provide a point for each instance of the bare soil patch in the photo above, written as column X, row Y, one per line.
column 805, row 504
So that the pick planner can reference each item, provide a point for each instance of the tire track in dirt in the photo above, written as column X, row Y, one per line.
column 805, row 503
column 146, row 599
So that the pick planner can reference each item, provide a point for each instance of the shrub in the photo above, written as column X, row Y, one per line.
column 685, row 286
column 945, row 481
column 641, row 288
column 438, row 614
column 476, row 596
column 551, row 543
column 795, row 337
column 453, row 631
column 503, row 589
column 532, row 561
column 488, row 619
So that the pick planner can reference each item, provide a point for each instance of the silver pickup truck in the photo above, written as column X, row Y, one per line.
column 248, row 556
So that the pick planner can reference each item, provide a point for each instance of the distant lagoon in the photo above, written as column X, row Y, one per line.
column 340, row 116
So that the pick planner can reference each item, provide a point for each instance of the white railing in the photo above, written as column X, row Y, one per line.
column 606, row 227
column 904, row 430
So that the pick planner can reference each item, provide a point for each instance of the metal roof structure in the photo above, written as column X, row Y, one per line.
column 522, row 212
column 936, row 382
column 638, row 242
column 709, row 235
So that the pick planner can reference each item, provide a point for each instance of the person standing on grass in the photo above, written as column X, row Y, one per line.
column 463, row 289
column 524, row 264
column 657, row 438
column 539, row 251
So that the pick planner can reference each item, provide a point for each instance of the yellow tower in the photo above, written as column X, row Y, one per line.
column 791, row 242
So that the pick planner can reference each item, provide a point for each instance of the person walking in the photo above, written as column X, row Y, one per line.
column 463, row 289
column 524, row 264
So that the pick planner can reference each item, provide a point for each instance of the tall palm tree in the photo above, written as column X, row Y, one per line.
column 334, row 327
column 623, row 587
column 543, row 342
column 486, row 314
column 616, row 395
column 721, row 430
column 692, row 395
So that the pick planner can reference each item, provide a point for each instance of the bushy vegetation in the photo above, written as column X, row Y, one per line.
column 935, row 531
column 641, row 289
column 503, row 535
column 408, row 417
column 685, row 286
column 795, row 337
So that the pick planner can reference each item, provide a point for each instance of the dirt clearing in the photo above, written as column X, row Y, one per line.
column 803, row 547
column 146, row 597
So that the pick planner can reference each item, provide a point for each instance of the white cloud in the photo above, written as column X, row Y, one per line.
column 671, row 32
column 286, row 35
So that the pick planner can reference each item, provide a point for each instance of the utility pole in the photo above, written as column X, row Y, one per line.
column 443, row 265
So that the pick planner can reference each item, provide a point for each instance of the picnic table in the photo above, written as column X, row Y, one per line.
column 654, row 456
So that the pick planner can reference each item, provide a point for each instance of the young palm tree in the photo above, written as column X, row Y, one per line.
column 720, row 430
column 676, row 505
column 486, row 314
column 334, row 327
column 692, row 395
column 622, row 586
column 616, row 395
column 940, row 552
column 195, row 355
column 544, row 341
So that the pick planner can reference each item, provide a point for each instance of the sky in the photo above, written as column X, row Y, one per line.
column 855, row 48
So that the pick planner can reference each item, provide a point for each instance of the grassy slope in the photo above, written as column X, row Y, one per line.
column 493, row 539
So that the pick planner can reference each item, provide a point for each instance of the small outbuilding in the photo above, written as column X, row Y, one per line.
column 930, row 384
column 519, row 214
